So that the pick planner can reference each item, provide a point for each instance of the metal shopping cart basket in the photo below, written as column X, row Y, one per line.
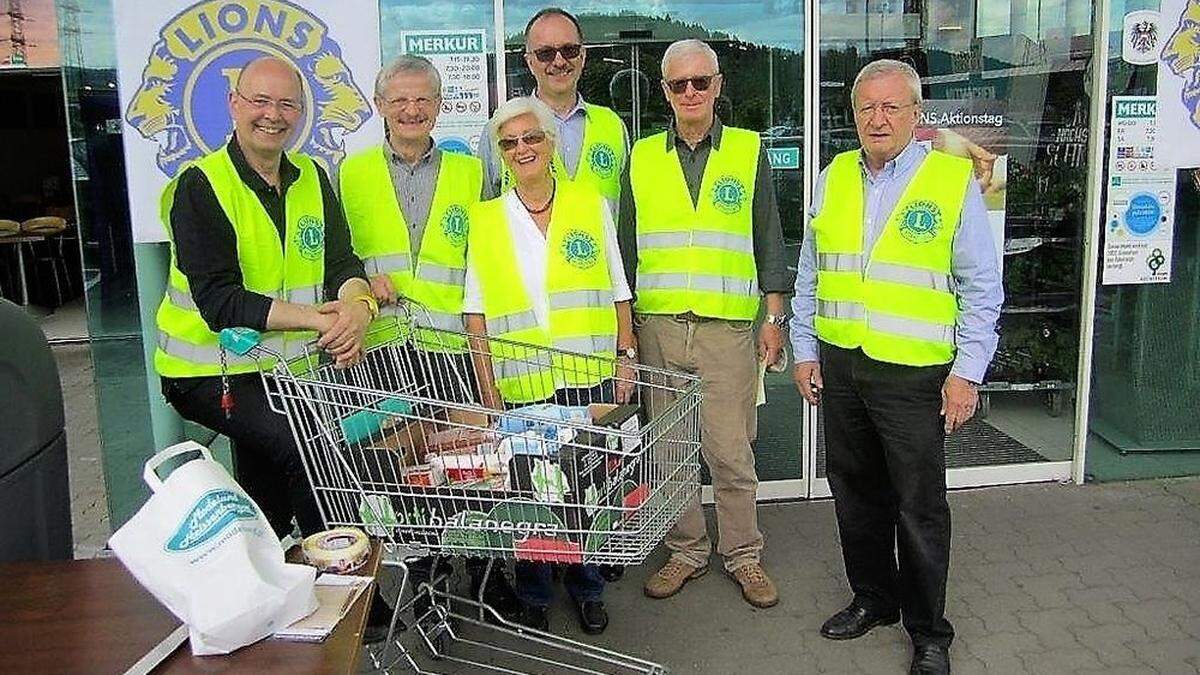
column 400, row 445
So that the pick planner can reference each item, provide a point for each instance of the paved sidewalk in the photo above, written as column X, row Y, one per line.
column 1044, row 578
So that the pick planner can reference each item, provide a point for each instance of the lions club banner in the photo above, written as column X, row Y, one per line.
column 1179, row 84
column 177, row 61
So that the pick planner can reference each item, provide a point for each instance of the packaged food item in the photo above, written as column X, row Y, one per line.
column 458, row 439
column 423, row 475
column 469, row 467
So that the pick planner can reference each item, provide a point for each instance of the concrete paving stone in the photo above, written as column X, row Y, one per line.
column 1100, row 594
column 1164, row 618
column 1054, row 626
column 1170, row 656
column 1108, row 641
column 1061, row 660
column 1105, row 613
column 1140, row 669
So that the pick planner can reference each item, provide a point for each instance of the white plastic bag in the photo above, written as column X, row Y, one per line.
column 205, row 550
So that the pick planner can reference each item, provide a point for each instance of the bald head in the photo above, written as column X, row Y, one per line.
column 271, row 67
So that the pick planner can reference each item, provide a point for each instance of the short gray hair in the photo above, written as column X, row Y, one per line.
column 686, row 48
column 514, row 108
column 888, row 67
column 409, row 63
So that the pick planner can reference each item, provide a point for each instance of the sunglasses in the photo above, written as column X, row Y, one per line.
column 529, row 138
column 547, row 54
column 700, row 83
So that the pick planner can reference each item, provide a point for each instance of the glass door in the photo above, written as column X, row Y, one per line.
column 1006, row 82
column 760, row 48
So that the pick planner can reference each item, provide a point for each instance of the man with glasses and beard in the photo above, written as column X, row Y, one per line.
column 593, row 145
column 702, row 212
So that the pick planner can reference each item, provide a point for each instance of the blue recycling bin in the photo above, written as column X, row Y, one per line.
column 35, row 497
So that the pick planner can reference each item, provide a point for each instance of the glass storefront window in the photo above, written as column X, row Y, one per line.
column 1010, row 78
column 1145, row 386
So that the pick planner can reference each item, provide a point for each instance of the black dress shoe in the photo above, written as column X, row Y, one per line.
column 593, row 618
column 611, row 573
column 535, row 617
column 499, row 595
column 930, row 660
column 855, row 621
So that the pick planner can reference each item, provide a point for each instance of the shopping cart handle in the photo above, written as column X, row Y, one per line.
column 240, row 340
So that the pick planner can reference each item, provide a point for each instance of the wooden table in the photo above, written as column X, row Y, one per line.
column 92, row 616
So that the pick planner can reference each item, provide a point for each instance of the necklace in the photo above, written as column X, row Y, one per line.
column 545, row 207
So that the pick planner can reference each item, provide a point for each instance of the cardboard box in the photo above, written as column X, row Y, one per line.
column 407, row 441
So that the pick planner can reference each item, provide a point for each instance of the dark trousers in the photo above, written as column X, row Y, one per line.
column 266, row 461
column 884, row 440
column 535, row 581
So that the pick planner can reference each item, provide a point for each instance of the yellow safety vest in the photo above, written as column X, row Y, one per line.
column 601, row 159
column 380, row 237
column 696, row 258
column 291, row 270
column 582, row 317
column 899, row 306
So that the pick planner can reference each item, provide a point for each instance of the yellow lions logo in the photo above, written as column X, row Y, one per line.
column 180, row 104
column 1182, row 55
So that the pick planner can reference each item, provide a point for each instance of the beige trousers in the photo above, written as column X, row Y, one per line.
column 724, row 355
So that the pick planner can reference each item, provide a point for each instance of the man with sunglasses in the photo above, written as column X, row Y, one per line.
column 258, row 240
column 897, row 297
column 703, row 241
column 593, row 145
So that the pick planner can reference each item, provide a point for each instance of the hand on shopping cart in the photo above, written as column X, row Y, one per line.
column 626, row 379
column 343, row 337
column 383, row 289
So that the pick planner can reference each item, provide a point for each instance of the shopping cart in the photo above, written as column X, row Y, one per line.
column 400, row 445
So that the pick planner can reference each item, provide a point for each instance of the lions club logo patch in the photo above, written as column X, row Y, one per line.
column 310, row 237
column 728, row 194
column 580, row 249
column 603, row 160
column 454, row 224
column 920, row 221
column 182, row 102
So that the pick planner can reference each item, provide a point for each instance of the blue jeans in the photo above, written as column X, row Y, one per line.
column 535, row 581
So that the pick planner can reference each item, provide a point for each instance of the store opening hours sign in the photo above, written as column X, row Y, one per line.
column 460, row 57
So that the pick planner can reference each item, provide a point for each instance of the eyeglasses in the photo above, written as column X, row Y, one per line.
column 547, row 54
column 285, row 106
column 529, row 138
column 699, row 83
column 889, row 110
column 401, row 103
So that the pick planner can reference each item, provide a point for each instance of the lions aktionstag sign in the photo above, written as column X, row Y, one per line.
column 177, row 63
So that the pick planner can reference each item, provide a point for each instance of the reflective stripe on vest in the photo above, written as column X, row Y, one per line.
column 696, row 255
column 898, row 303
column 386, row 264
column 294, row 261
column 380, row 236
column 582, row 317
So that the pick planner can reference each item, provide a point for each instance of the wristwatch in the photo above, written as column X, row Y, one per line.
column 627, row 352
column 779, row 320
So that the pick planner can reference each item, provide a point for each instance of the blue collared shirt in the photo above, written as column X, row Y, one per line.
column 974, row 265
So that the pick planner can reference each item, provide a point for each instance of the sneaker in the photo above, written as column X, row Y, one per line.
column 593, row 618
column 612, row 573
column 670, row 578
column 757, row 587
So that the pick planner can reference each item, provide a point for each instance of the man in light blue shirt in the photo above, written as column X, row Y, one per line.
column 893, row 340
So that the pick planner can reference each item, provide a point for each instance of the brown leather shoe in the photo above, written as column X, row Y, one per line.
column 670, row 578
column 757, row 587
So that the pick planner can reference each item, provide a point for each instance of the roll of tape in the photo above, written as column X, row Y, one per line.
column 340, row 550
